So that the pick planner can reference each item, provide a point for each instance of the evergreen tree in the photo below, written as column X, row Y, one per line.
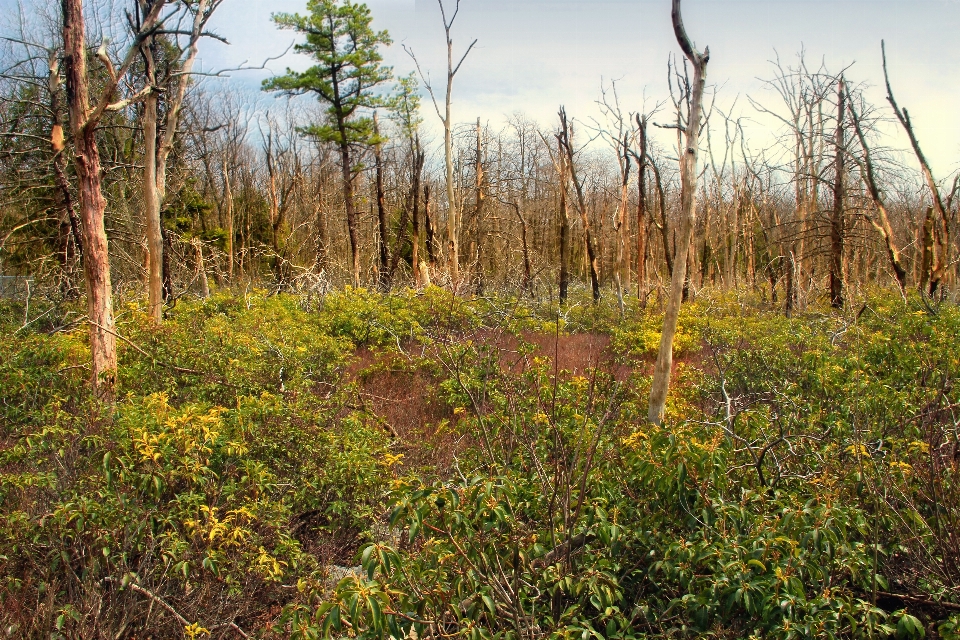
column 348, row 71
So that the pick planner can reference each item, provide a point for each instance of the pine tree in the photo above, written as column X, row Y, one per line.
column 347, row 74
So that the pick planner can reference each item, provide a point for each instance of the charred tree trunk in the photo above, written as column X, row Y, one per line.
column 592, row 262
column 564, row 226
column 430, row 231
column 641, row 206
column 941, row 223
column 837, row 220
column 418, row 163
column 346, row 169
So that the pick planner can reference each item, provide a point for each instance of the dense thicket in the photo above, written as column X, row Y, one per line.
column 490, row 465
column 469, row 451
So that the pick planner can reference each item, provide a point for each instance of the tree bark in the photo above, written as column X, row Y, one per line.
column 480, row 197
column 151, row 196
column 157, row 152
column 837, row 220
column 201, row 269
column 418, row 163
column 688, row 206
column 592, row 263
column 60, row 178
column 641, row 206
column 880, row 221
column 564, row 225
column 347, row 173
column 383, row 266
column 664, row 222
column 103, row 341
column 228, row 197
column 941, row 226
column 430, row 230
column 622, row 268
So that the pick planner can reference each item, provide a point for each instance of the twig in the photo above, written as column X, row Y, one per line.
column 144, row 353
column 163, row 603
column 160, row 601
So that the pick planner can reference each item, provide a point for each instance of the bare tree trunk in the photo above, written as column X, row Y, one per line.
column 412, row 204
column 156, row 155
column 168, row 292
column 347, row 172
column 96, row 263
column 791, row 290
column 641, row 206
column 881, row 221
column 228, row 196
column 564, row 226
column 927, row 250
column 151, row 197
column 60, row 177
column 430, row 230
column 688, row 177
column 622, row 268
column 664, row 223
column 383, row 266
column 592, row 263
column 478, row 212
column 418, row 163
column 941, row 225
column 837, row 221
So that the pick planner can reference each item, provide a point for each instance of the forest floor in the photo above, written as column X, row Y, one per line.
column 488, row 464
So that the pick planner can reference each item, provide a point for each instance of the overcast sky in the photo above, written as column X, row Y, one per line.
column 534, row 55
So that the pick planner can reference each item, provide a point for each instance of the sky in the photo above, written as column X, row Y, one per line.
column 534, row 55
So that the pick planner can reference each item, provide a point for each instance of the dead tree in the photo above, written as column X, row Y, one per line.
column 383, row 265
column 60, row 174
column 453, row 210
column 641, row 158
column 84, row 119
column 157, row 148
column 565, row 137
column 939, row 238
column 837, row 219
column 688, row 208
column 881, row 220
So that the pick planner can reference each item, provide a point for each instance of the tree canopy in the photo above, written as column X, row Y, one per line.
column 340, row 38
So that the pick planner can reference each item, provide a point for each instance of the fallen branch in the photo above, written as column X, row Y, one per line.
column 925, row 601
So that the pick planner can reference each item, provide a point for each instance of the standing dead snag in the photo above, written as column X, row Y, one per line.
column 880, row 221
column 383, row 266
column 157, row 148
column 641, row 158
column 453, row 210
column 83, row 123
column 940, row 241
column 566, row 144
column 837, row 221
column 70, row 253
column 688, row 211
